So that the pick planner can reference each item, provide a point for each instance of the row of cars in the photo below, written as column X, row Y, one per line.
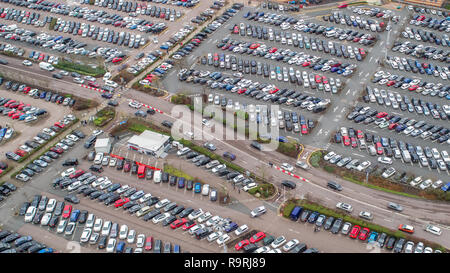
column 344, row 19
column 407, row 126
column 13, row 242
column 288, row 56
column 292, row 39
column 354, row 164
column 364, row 234
column 411, row 65
column 282, row 74
column 56, row 42
column 405, row 103
column 38, row 94
column 19, row 110
column 421, row 51
column 146, row 206
column 38, row 165
column 259, row 91
column 430, row 22
column 426, row 36
column 64, row 219
column 5, row 188
column 394, row 149
column 418, row 85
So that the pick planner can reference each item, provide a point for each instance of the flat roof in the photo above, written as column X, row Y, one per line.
column 102, row 142
column 149, row 140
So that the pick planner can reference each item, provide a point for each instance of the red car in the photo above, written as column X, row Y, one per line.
column 413, row 87
column 121, row 202
column 116, row 60
column 254, row 46
column 59, row 124
column 20, row 152
column 390, row 83
column 273, row 91
column 12, row 112
column 304, row 129
column 359, row 134
column 357, row 39
column 346, row 141
column 240, row 91
column 178, row 223
column 381, row 115
column 257, row 237
column 392, row 126
column 236, row 30
column 76, row 174
column 355, row 231
column 148, row 243
column 324, row 80
column 66, row 212
column 93, row 84
column 188, row 225
column 379, row 148
column 354, row 143
column 306, row 64
column 41, row 57
column 406, row 228
column 26, row 89
column 364, row 233
column 343, row 6
column 273, row 50
column 17, row 115
column 57, row 150
column 362, row 52
column 318, row 79
column 9, row 103
column 241, row 244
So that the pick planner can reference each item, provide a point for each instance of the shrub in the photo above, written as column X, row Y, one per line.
column 315, row 158
column 289, row 149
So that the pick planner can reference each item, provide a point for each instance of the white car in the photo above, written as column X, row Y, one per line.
column 98, row 158
column 249, row 186
column 145, row 198
column 86, row 235
column 46, row 218
column 160, row 218
column 131, row 236
column 98, row 225
column 262, row 249
column 366, row 215
column 62, row 226
column 123, row 233
column 214, row 220
column 50, row 205
column 140, row 240
column 106, row 228
column 205, row 189
column 195, row 214
column 111, row 245
column 90, row 221
column 204, row 217
column 68, row 172
column 287, row 167
column 27, row 63
column 258, row 211
column 385, row 160
column 213, row 236
column 344, row 206
column 162, row 203
column 223, row 239
column 112, row 162
column 433, row 230
column 290, row 245
column 240, row 230
column 278, row 242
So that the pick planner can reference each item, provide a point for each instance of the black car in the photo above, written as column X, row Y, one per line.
column 328, row 223
column 59, row 208
column 23, row 208
column 390, row 242
column 102, row 241
column 289, row 184
column 336, row 225
column 189, row 185
column 72, row 198
column 399, row 245
column 305, row 215
column 173, row 180
column 382, row 239
column 83, row 217
column 167, row 123
column 300, row 248
column 70, row 162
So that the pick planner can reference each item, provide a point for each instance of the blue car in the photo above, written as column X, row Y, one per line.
column 3, row 132
column 231, row 227
column 43, row 94
column 46, row 250
column 74, row 215
column 165, row 47
column 197, row 187
column 176, row 249
column 31, row 54
column 181, row 182
column 247, row 14
column 120, row 247
column 282, row 139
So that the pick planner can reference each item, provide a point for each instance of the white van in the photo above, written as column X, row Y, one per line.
column 157, row 176
column 46, row 66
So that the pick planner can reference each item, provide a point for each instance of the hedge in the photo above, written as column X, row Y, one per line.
column 176, row 172
column 315, row 158
column 81, row 69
